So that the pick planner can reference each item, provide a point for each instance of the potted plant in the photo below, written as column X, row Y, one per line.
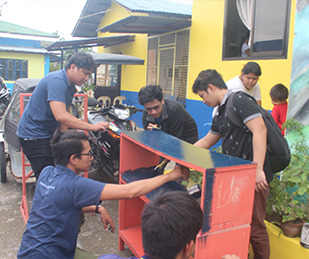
column 289, row 191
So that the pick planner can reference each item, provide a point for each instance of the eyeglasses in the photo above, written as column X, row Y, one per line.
column 90, row 154
column 153, row 108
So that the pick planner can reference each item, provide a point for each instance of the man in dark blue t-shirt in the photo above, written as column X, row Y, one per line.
column 47, row 110
column 61, row 196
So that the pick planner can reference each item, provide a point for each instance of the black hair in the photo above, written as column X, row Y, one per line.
column 81, row 60
column 65, row 144
column 252, row 67
column 149, row 93
column 169, row 222
column 243, row 40
column 279, row 92
column 206, row 77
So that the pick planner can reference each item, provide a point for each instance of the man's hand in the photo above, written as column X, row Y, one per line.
column 106, row 219
column 180, row 172
column 230, row 257
column 100, row 126
column 260, row 180
column 150, row 126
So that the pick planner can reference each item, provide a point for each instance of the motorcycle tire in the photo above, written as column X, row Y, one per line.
column 100, row 164
column 3, row 108
column 2, row 163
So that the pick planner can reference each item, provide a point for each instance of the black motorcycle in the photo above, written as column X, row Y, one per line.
column 5, row 97
column 105, row 144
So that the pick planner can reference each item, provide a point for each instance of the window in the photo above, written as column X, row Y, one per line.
column 12, row 69
column 107, row 75
column 261, row 24
column 167, row 64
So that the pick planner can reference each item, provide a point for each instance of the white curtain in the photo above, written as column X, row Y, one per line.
column 245, row 11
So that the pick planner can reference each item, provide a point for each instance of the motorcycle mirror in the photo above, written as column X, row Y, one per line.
column 92, row 102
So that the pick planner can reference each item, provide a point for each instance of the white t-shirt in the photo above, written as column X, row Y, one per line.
column 235, row 84
column 244, row 47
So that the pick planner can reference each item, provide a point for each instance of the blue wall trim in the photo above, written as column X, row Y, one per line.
column 46, row 64
column 200, row 112
column 10, row 86
column 21, row 42
column 132, row 97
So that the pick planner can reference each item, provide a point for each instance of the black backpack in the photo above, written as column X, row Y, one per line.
column 277, row 146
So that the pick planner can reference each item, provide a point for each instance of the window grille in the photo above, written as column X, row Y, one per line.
column 12, row 69
column 167, row 64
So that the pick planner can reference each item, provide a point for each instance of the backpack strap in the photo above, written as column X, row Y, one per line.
column 231, row 112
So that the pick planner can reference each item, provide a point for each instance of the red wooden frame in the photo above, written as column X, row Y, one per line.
column 226, row 199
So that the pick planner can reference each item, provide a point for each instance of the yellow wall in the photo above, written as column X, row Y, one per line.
column 206, row 50
column 35, row 63
column 133, row 77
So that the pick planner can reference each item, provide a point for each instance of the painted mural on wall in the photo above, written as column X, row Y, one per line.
column 299, row 88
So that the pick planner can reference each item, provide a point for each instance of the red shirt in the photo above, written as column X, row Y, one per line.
column 279, row 113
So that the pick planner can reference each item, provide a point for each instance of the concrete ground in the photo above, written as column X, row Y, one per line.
column 92, row 238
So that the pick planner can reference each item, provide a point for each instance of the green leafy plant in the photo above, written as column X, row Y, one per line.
column 196, row 176
column 289, row 191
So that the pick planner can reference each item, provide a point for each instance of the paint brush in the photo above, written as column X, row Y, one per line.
column 161, row 166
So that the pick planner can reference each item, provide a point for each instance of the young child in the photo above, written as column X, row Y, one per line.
column 279, row 95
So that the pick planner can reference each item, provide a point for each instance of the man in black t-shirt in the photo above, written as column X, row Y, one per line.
column 168, row 115
column 236, row 142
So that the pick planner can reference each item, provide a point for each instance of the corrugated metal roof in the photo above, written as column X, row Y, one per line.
column 156, row 6
column 89, row 43
column 89, row 20
column 7, row 27
column 94, row 11
column 22, row 50
column 147, row 24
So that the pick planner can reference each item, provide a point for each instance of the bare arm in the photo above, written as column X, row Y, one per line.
column 104, row 216
column 208, row 141
column 259, row 142
column 64, row 117
column 259, row 102
column 248, row 52
column 138, row 188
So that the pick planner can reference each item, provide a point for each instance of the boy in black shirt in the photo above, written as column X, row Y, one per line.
column 210, row 86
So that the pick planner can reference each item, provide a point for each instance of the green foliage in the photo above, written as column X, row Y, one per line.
column 67, row 53
column 289, row 196
column 196, row 177
column 86, row 88
column 217, row 149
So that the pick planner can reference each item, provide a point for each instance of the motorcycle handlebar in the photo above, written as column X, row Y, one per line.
column 102, row 110
column 134, row 109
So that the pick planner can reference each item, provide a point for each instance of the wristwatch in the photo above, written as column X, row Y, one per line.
column 97, row 208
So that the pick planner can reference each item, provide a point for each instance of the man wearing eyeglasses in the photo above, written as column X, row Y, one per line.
column 61, row 196
column 47, row 110
column 168, row 115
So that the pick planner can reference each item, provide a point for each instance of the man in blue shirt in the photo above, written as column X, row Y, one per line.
column 47, row 110
column 61, row 196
